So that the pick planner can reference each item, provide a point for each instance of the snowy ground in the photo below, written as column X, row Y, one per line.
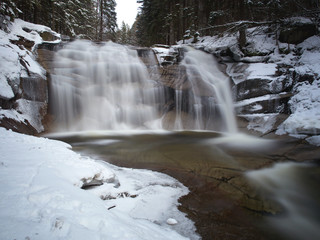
column 42, row 198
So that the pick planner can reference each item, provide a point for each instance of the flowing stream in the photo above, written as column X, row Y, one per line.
column 106, row 105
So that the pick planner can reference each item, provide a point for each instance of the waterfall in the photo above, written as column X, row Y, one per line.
column 102, row 87
column 107, row 86
column 209, row 98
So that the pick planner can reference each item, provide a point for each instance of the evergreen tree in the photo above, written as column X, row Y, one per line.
column 81, row 18
column 123, row 33
column 8, row 8
column 166, row 21
column 107, row 20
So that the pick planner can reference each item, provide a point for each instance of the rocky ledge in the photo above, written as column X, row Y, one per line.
column 24, row 82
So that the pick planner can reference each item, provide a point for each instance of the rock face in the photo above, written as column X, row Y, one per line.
column 24, row 97
column 191, row 96
column 296, row 32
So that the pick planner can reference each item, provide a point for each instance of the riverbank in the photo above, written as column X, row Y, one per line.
column 50, row 192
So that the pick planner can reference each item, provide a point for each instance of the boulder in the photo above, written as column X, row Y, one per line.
column 296, row 33
column 26, row 43
column 251, row 88
column 273, row 104
column 48, row 36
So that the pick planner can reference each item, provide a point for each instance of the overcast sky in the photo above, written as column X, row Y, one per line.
column 126, row 11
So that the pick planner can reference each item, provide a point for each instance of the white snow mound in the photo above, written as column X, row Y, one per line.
column 41, row 196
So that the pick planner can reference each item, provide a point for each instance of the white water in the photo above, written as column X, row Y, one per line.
column 107, row 87
column 206, row 80
column 102, row 87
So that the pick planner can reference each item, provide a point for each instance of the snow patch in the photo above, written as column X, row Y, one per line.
column 314, row 140
column 261, row 122
column 9, row 69
column 305, row 107
column 31, row 110
column 19, row 27
column 262, row 71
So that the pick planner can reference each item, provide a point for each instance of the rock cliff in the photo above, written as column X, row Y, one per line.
column 24, row 85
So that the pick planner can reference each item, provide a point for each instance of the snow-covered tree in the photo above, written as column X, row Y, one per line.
column 91, row 19
column 166, row 21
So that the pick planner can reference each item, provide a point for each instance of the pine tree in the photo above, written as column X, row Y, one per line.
column 166, row 21
column 106, row 29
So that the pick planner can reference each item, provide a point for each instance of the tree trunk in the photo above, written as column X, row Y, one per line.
column 242, row 37
column 101, row 20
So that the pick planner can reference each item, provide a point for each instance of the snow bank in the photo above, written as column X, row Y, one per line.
column 262, row 70
column 9, row 68
column 31, row 32
column 161, row 53
column 261, row 122
column 41, row 196
column 305, row 107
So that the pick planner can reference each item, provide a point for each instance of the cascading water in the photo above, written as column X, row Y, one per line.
column 102, row 87
column 107, row 87
column 209, row 97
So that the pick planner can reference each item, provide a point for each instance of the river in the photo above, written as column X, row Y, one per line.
column 241, row 187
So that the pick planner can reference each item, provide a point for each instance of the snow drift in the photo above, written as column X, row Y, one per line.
column 42, row 198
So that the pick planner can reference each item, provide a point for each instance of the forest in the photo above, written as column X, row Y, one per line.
column 172, row 20
column 88, row 19
column 158, row 21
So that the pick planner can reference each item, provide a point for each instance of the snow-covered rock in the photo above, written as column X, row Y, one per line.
column 305, row 108
column 22, row 79
column 270, row 67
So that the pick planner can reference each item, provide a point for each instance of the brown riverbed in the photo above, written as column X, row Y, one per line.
column 222, row 202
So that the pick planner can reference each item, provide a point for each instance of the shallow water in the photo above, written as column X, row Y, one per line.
column 225, row 203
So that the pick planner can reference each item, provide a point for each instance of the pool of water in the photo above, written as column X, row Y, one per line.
column 228, row 198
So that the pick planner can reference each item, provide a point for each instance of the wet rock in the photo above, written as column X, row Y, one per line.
column 48, row 36
column 34, row 88
column 17, row 126
column 91, row 184
column 296, row 33
column 274, row 104
column 23, row 42
column 45, row 58
column 260, row 124
column 251, row 88
column 169, row 119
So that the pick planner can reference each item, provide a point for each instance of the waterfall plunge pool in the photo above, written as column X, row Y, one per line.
column 228, row 196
